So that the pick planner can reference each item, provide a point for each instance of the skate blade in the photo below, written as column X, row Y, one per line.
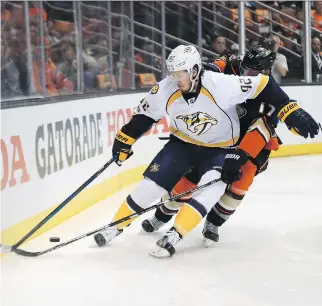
column 208, row 243
column 160, row 253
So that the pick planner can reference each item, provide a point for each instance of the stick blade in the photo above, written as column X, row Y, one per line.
column 26, row 253
column 5, row 249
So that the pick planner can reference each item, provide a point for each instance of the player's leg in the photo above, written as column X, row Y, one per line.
column 235, row 193
column 228, row 203
column 170, row 164
column 194, row 210
column 257, row 142
column 164, row 213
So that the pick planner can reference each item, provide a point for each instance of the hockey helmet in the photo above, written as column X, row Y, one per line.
column 185, row 58
column 259, row 59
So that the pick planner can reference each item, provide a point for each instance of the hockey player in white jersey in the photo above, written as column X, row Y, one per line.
column 204, row 126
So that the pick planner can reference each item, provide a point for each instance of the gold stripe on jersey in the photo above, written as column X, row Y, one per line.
column 206, row 93
column 175, row 96
column 187, row 138
column 262, row 83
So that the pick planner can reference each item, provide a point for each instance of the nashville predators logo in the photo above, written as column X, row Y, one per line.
column 155, row 89
column 155, row 167
column 198, row 123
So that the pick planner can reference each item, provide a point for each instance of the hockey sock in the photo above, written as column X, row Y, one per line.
column 216, row 218
column 164, row 214
column 189, row 217
column 128, row 207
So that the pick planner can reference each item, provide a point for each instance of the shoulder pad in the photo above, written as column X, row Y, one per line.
column 212, row 67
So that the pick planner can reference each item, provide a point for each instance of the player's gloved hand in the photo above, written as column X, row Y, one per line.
column 298, row 120
column 231, row 170
column 122, row 147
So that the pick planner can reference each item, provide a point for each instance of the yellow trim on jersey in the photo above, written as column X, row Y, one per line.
column 206, row 93
column 262, row 83
column 122, row 137
column 175, row 96
column 287, row 110
column 187, row 138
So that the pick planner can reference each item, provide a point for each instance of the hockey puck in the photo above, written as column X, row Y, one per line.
column 54, row 239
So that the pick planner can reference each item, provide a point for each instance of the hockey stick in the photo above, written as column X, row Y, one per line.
column 14, row 248
column 35, row 254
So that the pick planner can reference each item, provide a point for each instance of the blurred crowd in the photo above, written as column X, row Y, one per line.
column 63, row 58
column 61, row 55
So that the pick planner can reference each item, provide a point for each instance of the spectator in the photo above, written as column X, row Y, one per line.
column 317, row 15
column 150, row 58
column 34, row 12
column 219, row 45
column 10, row 85
column 56, row 82
column 52, row 34
column 277, row 21
column 316, row 60
column 252, row 43
column 291, row 30
column 234, row 49
column 69, row 65
column 280, row 67
column 14, row 65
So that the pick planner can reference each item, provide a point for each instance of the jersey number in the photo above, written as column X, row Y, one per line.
column 246, row 84
column 144, row 104
column 266, row 109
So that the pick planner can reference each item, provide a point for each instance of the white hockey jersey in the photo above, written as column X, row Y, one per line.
column 209, row 120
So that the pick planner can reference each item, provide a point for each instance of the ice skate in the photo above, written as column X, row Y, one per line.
column 210, row 233
column 165, row 246
column 105, row 236
column 152, row 224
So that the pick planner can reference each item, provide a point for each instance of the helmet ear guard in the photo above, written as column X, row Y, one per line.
column 194, row 75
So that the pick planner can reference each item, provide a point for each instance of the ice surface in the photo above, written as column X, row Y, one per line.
column 269, row 254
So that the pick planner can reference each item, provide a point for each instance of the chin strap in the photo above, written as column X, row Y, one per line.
column 193, row 81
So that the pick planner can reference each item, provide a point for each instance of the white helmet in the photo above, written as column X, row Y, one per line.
column 185, row 58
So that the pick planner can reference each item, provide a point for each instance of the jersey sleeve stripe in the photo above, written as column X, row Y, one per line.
column 262, row 83
column 176, row 95
column 261, row 125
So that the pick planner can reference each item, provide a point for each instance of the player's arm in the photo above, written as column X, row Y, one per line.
column 296, row 119
column 242, row 88
column 257, row 137
column 145, row 115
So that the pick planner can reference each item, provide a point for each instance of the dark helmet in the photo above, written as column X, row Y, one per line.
column 259, row 59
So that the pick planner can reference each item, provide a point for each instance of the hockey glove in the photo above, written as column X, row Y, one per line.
column 298, row 120
column 231, row 170
column 122, row 147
